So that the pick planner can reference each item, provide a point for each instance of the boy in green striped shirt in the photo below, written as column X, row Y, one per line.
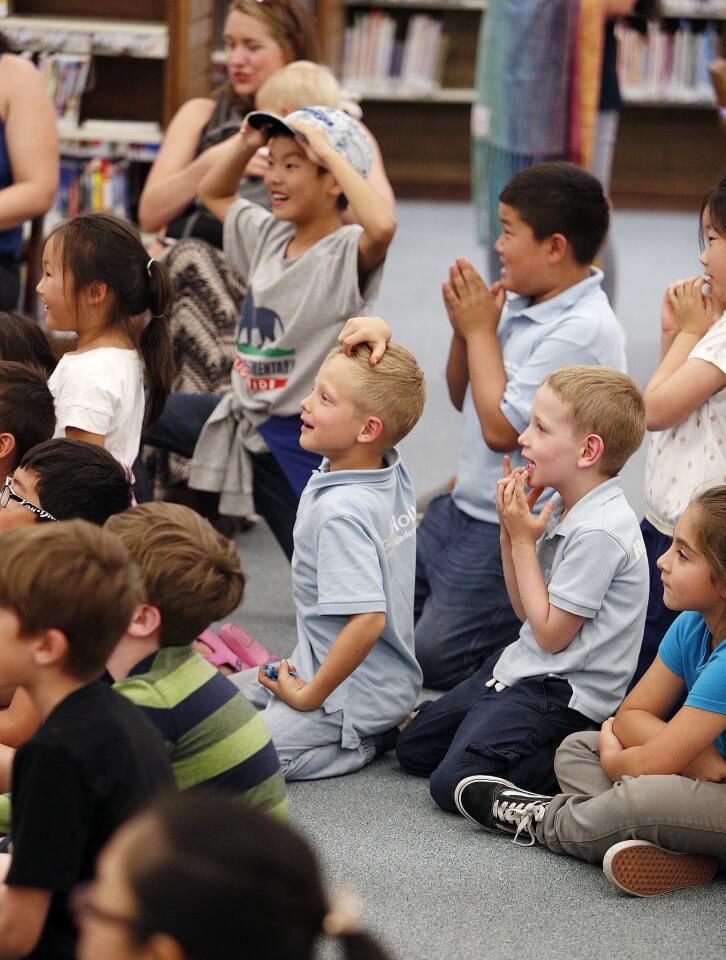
column 192, row 576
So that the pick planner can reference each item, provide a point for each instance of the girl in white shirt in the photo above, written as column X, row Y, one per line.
column 98, row 281
column 686, row 406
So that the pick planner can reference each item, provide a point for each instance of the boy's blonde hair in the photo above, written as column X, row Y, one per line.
column 191, row 573
column 74, row 577
column 301, row 83
column 394, row 390
column 604, row 401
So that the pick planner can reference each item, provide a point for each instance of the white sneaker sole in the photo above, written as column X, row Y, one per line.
column 643, row 869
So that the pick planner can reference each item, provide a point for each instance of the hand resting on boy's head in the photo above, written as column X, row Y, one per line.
column 373, row 331
column 470, row 304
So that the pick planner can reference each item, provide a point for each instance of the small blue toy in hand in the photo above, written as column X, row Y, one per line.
column 270, row 670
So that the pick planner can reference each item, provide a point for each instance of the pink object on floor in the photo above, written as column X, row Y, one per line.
column 219, row 655
column 243, row 646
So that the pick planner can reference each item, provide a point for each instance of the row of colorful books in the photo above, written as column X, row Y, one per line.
column 668, row 61
column 65, row 76
column 95, row 184
column 381, row 52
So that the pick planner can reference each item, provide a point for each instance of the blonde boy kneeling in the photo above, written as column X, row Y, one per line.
column 353, row 573
column 577, row 578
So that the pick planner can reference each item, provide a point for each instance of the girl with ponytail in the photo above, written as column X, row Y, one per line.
column 98, row 281
column 200, row 877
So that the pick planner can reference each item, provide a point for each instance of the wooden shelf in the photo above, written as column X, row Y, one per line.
column 472, row 5
column 134, row 38
column 680, row 103
column 440, row 95
column 691, row 11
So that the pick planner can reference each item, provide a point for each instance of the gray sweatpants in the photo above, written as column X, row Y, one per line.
column 307, row 742
column 593, row 813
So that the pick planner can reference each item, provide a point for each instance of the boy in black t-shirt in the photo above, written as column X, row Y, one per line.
column 67, row 593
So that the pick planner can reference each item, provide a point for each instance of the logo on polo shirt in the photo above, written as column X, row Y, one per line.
column 403, row 527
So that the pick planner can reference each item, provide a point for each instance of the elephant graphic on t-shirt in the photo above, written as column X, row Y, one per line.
column 257, row 325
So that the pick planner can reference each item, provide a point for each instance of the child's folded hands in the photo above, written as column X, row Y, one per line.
column 694, row 311
column 514, row 508
column 471, row 305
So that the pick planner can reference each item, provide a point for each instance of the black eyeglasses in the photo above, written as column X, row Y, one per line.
column 7, row 494
column 82, row 907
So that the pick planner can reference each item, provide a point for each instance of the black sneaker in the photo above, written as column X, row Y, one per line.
column 497, row 804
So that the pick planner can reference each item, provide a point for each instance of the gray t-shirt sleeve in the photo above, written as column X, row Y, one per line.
column 585, row 572
column 349, row 573
column 243, row 231
column 567, row 345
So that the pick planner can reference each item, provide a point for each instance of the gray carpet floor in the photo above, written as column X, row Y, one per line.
column 432, row 885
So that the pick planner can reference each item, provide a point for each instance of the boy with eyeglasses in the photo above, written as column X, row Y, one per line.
column 64, row 480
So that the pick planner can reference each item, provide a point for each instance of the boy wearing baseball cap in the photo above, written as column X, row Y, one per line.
column 306, row 273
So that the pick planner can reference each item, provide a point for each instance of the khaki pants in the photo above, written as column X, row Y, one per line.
column 594, row 813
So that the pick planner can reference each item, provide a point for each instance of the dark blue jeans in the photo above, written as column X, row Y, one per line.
column 659, row 617
column 473, row 729
column 461, row 606
column 178, row 429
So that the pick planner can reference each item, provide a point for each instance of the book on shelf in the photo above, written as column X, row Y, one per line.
column 93, row 185
column 378, row 55
column 65, row 77
column 667, row 63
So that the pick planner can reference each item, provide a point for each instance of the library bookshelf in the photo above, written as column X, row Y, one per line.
column 146, row 59
column 669, row 149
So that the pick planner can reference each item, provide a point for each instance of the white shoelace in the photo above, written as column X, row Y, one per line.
column 523, row 815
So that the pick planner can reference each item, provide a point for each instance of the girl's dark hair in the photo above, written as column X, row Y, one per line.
column 237, row 884
column 22, row 340
column 100, row 247
column 714, row 204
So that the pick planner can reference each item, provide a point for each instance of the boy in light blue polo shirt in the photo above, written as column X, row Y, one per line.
column 577, row 577
column 548, row 310
column 353, row 574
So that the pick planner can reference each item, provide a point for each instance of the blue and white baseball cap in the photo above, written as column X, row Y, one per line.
column 346, row 136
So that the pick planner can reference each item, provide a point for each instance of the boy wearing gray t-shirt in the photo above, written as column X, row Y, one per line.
column 353, row 574
column 577, row 578
column 306, row 272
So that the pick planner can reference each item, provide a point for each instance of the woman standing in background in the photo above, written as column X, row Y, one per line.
column 29, row 162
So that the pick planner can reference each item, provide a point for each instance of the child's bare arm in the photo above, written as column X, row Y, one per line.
column 679, row 385
column 474, row 311
column 23, row 912
column 19, row 721
column 218, row 187
column 680, row 743
column 553, row 628
column 349, row 650
column 457, row 371
column 373, row 213
column 639, row 720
